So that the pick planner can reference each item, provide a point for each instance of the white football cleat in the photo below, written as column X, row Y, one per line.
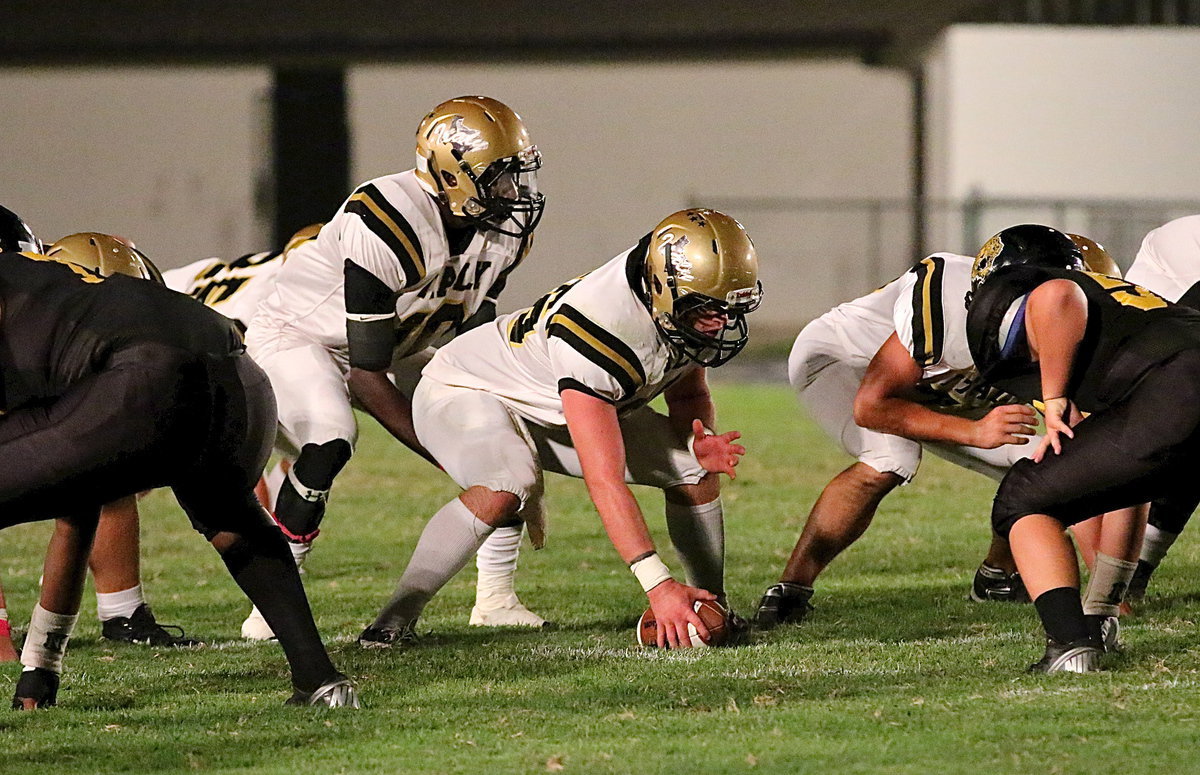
column 505, row 611
column 256, row 628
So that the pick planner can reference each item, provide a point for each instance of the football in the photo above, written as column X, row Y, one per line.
column 711, row 613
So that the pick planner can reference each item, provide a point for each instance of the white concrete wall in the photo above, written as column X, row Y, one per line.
column 1065, row 112
column 625, row 145
column 168, row 157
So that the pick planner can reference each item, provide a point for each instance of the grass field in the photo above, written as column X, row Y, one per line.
column 895, row 672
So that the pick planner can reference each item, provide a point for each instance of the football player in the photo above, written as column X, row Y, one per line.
column 408, row 261
column 901, row 349
column 115, row 558
column 15, row 237
column 1167, row 263
column 887, row 375
column 564, row 386
column 1129, row 359
column 71, row 340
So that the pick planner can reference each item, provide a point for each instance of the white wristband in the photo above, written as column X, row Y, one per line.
column 650, row 571
column 692, row 440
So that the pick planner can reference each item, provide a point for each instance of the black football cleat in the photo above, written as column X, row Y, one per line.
column 782, row 603
column 1141, row 579
column 995, row 585
column 376, row 637
column 1080, row 656
column 142, row 628
column 1110, row 635
column 36, row 688
column 338, row 692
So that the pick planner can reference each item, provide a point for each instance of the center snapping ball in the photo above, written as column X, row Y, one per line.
column 712, row 614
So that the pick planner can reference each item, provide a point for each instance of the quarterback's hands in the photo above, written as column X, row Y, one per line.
column 1006, row 424
column 715, row 452
column 674, row 607
column 1060, row 415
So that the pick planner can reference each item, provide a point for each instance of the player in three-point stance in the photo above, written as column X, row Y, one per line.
column 408, row 261
column 563, row 386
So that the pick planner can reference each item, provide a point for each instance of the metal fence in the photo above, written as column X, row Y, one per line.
column 818, row 252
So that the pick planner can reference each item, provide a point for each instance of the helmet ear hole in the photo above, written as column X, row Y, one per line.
column 449, row 180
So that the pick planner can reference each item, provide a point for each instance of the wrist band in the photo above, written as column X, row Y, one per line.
column 650, row 571
column 692, row 440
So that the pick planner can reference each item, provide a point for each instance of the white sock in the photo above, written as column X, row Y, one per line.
column 46, row 641
column 698, row 533
column 1155, row 545
column 110, row 605
column 300, row 552
column 496, row 561
column 451, row 536
column 1106, row 588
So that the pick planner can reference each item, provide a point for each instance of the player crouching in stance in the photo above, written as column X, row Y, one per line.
column 409, row 261
column 563, row 386
column 151, row 389
column 1085, row 343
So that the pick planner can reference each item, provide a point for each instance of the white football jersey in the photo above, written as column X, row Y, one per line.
column 593, row 334
column 930, row 320
column 234, row 289
column 391, row 228
column 1168, row 261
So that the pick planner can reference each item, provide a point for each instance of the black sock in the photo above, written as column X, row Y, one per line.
column 1061, row 612
column 263, row 567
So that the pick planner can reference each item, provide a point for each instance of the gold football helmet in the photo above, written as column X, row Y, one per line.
column 701, row 263
column 1095, row 257
column 1028, row 243
column 474, row 155
column 104, row 254
column 300, row 237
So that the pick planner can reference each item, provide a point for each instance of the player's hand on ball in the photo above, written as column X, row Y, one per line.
column 716, row 452
column 674, row 607
column 1008, row 424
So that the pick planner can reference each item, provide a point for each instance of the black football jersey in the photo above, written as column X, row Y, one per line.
column 1129, row 331
column 60, row 322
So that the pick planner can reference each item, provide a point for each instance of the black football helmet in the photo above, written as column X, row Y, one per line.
column 15, row 234
column 1028, row 243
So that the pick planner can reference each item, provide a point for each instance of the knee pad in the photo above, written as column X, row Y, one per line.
column 318, row 464
column 1012, row 499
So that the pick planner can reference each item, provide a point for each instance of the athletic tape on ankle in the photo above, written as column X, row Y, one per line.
column 1107, row 586
column 46, row 641
column 650, row 571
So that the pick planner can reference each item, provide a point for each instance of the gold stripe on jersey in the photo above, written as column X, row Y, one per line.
column 928, row 325
column 598, row 346
column 390, row 225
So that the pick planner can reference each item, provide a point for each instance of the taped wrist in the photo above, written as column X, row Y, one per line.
column 650, row 571
column 46, row 642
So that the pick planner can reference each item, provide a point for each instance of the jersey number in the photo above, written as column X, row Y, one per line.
column 1128, row 294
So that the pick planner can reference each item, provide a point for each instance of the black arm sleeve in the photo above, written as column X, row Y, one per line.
column 370, row 319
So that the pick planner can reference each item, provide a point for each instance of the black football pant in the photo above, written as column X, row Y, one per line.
column 1145, row 448
column 156, row 416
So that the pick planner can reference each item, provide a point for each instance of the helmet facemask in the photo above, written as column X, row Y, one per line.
column 507, row 199
column 707, row 331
